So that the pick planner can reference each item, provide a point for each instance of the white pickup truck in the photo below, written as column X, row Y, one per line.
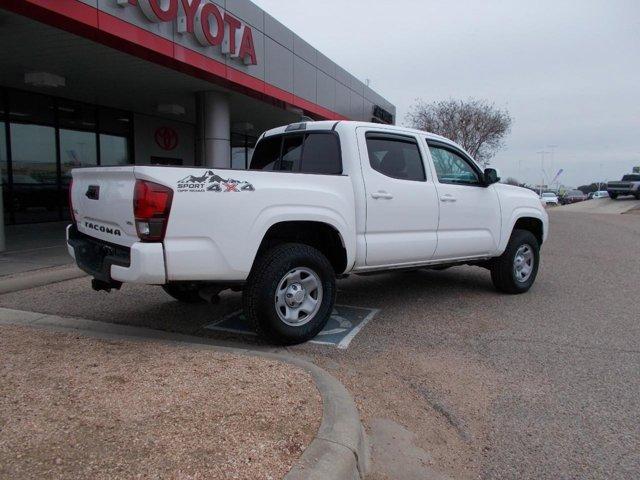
column 321, row 200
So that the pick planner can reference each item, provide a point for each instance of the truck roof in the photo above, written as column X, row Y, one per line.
column 333, row 124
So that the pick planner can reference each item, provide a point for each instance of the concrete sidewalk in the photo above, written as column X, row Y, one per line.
column 34, row 247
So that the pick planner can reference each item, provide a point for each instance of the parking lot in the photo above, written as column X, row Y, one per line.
column 467, row 382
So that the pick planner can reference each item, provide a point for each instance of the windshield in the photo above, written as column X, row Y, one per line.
column 634, row 177
column 548, row 194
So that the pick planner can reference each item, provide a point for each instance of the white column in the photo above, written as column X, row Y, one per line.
column 214, row 130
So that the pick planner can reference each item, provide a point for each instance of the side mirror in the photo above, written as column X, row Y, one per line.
column 491, row 176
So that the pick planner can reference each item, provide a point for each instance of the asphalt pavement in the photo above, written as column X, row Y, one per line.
column 454, row 380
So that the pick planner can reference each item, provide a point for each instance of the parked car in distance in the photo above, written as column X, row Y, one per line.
column 600, row 194
column 629, row 185
column 573, row 196
column 549, row 198
column 321, row 200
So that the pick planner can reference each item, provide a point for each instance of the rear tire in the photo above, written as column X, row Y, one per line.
column 516, row 269
column 613, row 196
column 290, row 293
column 185, row 293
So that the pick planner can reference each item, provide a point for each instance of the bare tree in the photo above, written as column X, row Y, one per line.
column 477, row 125
column 512, row 181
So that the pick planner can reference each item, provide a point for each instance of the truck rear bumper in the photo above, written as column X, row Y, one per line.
column 142, row 263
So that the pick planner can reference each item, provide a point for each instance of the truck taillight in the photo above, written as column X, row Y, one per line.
column 73, row 217
column 151, row 207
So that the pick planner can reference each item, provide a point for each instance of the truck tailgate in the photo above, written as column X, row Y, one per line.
column 102, row 200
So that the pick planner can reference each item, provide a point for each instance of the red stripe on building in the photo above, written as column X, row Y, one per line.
column 81, row 19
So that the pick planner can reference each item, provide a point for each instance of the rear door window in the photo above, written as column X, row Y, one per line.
column 395, row 156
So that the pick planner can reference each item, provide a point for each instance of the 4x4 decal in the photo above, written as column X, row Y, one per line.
column 210, row 182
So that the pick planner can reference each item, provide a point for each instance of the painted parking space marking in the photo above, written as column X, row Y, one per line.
column 345, row 323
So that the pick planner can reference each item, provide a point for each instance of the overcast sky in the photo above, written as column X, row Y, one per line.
column 568, row 71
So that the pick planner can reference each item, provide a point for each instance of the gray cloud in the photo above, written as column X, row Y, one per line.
column 568, row 71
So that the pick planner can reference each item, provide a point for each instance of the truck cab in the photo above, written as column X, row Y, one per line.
column 629, row 185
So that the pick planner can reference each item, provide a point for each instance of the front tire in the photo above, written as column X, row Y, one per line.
column 613, row 196
column 516, row 269
column 289, row 296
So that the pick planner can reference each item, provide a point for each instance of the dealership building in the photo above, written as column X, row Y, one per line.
column 166, row 82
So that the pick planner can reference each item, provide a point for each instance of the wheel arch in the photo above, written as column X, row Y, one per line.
column 531, row 224
column 531, row 220
column 321, row 235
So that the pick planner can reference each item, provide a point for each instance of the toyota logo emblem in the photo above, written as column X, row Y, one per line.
column 166, row 138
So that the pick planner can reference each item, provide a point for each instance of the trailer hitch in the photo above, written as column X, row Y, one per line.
column 102, row 286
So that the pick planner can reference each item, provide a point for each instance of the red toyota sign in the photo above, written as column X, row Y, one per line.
column 166, row 138
column 210, row 24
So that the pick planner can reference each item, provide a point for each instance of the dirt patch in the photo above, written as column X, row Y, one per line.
column 74, row 407
column 445, row 401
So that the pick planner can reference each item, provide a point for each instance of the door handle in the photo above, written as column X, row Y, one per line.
column 448, row 198
column 381, row 194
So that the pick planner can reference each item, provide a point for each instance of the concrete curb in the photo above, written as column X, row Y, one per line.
column 340, row 449
column 38, row 278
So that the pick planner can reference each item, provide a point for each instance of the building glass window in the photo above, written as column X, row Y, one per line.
column 76, row 116
column 242, row 147
column 3, row 169
column 48, row 138
column 77, row 149
column 31, row 108
column 34, row 195
column 116, row 128
column 238, row 152
column 3, row 154
column 3, row 144
column 114, row 150
column 116, row 122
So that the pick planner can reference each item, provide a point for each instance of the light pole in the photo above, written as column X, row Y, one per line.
column 553, row 158
column 542, row 153
column 600, row 177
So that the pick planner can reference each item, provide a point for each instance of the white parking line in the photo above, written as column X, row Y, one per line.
column 342, row 345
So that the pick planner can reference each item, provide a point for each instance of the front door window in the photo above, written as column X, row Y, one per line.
column 452, row 168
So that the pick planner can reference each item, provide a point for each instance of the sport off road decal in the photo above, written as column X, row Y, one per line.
column 210, row 182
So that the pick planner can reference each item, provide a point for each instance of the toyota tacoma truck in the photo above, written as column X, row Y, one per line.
column 320, row 201
column 629, row 185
